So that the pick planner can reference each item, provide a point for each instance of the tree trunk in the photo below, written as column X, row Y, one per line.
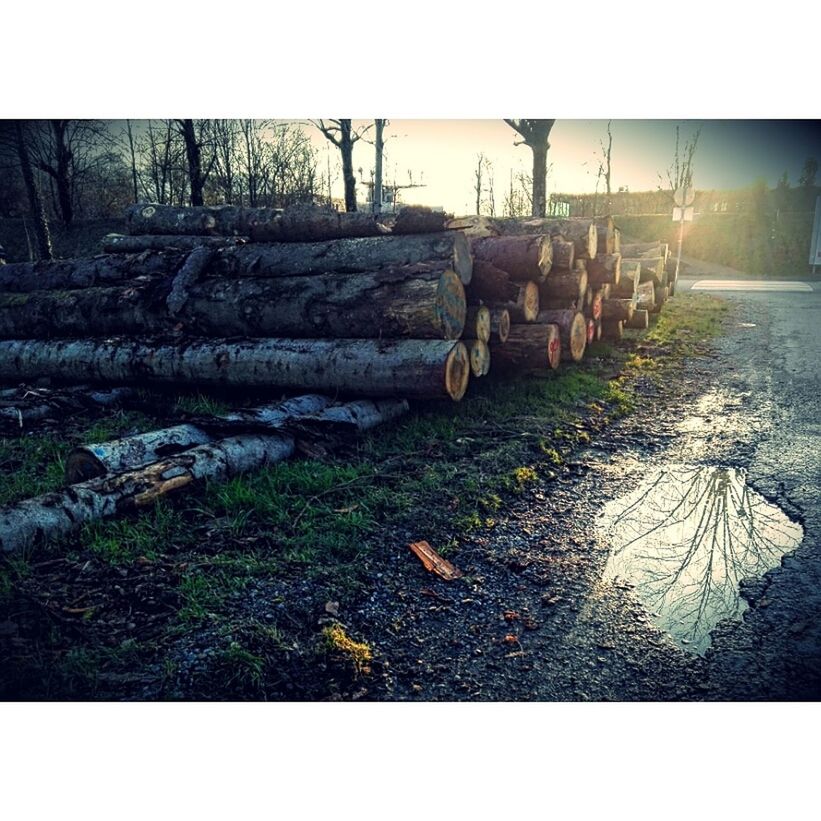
column 640, row 320
column 425, row 301
column 346, row 150
column 70, row 274
column 126, row 244
column 491, row 284
column 622, row 309
column 528, row 348
column 524, row 258
column 477, row 323
column 581, row 232
column 379, row 146
column 62, row 173
column 38, row 214
column 573, row 331
column 605, row 268
column 563, row 255
column 192, row 153
column 539, row 179
column 56, row 514
column 407, row 368
column 499, row 324
column 564, row 287
column 346, row 256
column 219, row 220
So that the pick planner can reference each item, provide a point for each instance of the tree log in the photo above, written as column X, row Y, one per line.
column 628, row 283
column 606, row 235
column 69, row 274
column 315, row 224
column 54, row 514
column 349, row 256
column 640, row 320
column 590, row 325
column 617, row 241
column 127, row 244
column 622, row 309
column 572, row 329
column 411, row 368
column 565, row 287
column 529, row 348
column 526, row 306
column 491, row 284
column 612, row 329
column 659, row 298
column 474, row 226
column 222, row 220
column 477, row 323
column 652, row 268
column 564, row 253
column 646, row 295
column 418, row 219
column 524, row 258
column 594, row 309
column 581, row 232
column 604, row 269
column 500, row 324
column 479, row 357
column 579, row 265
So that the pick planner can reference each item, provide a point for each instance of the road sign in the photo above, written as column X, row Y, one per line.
column 684, row 196
column 815, row 245
column 683, row 214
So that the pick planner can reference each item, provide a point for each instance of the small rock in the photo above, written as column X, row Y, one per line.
column 332, row 608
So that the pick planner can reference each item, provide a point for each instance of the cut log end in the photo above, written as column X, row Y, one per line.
column 500, row 324
column 479, row 357
column 577, row 340
column 554, row 347
column 462, row 258
column 530, row 301
column 457, row 372
column 450, row 305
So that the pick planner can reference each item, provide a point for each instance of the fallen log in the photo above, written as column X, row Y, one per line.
column 70, row 274
column 639, row 321
column 572, row 331
column 604, row 269
column 491, row 284
column 479, row 357
column 299, row 224
column 477, row 323
column 529, row 348
column 612, row 329
column 622, row 309
column 407, row 368
column 202, row 220
column 524, row 258
column 127, row 244
column 350, row 256
column 418, row 219
column 566, row 287
column 499, row 324
column 582, row 233
column 56, row 514
column 563, row 255
column 423, row 301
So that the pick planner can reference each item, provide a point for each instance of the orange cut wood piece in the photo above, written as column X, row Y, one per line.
column 434, row 563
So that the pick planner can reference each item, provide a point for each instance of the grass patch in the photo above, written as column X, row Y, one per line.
column 688, row 321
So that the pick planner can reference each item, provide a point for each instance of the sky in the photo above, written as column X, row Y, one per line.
column 443, row 153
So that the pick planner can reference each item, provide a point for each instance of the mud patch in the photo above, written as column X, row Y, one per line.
column 685, row 539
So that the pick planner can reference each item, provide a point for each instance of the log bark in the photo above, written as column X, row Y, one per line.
column 405, row 368
column 659, row 298
column 565, row 287
column 127, row 244
column 645, row 249
column 572, row 331
column 418, row 219
column 639, row 321
column 564, row 253
column 524, row 258
column 479, row 357
column 617, row 241
column 348, row 256
column 316, row 224
column 582, row 233
column 491, row 284
column 55, row 514
column 222, row 220
column 613, row 309
column 474, row 226
column 606, row 235
column 423, row 301
column 477, row 323
column 604, row 269
column 131, row 452
column 526, row 306
column 70, row 274
column 651, row 268
column 529, row 348
column 499, row 324
column 612, row 329
column 628, row 283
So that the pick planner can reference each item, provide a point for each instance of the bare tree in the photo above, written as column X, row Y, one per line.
column 343, row 135
column 198, row 142
column 379, row 149
column 535, row 134
column 477, row 181
column 226, row 153
column 133, row 157
column 680, row 173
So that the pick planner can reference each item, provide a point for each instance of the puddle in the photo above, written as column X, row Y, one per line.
column 685, row 538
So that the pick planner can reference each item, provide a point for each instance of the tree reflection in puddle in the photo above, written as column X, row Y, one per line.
column 686, row 537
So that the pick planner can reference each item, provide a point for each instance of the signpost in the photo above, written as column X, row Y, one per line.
column 683, row 212
column 815, row 245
